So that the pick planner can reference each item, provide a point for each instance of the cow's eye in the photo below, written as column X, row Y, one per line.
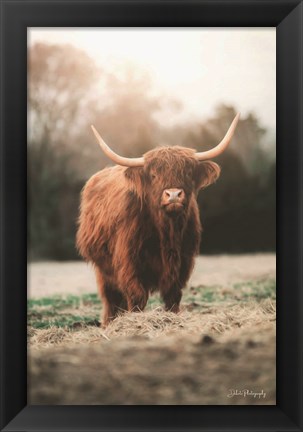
column 153, row 176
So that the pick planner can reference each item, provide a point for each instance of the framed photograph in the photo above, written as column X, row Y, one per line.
column 151, row 199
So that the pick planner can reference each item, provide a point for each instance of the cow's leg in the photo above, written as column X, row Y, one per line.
column 172, row 298
column 136, row 296
column 173, row 294
column 112, row 299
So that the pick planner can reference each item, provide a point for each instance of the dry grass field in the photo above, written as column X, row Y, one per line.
column 222, row 342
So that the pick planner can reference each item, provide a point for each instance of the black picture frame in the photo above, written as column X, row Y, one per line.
column 16, row 16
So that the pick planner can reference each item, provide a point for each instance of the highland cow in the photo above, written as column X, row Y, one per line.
column 139, row 223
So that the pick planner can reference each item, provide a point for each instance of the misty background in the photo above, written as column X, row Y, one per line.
column 143, row 88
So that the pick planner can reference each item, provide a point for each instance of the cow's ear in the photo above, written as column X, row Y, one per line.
column 136, row 177
column 206, row 174
column 134, row 174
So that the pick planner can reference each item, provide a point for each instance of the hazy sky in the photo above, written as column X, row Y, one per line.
column 200, row 67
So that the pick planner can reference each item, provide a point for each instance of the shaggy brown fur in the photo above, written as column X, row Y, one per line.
column 136, row 243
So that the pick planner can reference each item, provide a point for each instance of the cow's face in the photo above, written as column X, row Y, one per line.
column 171, row 177
column 168, row 177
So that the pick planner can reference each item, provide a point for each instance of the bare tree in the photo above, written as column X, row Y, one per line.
column 60, row 78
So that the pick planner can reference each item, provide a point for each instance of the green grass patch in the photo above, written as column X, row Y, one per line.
column 62, row 302
column 69, row 321
column 258, row 290
column 245, row 291
column 64, row 311
column 74, row 311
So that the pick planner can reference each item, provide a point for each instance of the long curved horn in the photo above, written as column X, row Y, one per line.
column 120, row 160
column 209, row 154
